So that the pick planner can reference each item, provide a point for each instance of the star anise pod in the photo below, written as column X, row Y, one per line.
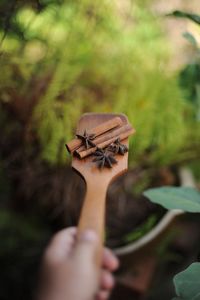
column 118, row 148
column 87, row 139
column 104, row 158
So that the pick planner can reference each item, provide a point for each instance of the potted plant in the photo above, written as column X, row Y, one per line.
column 139, row 257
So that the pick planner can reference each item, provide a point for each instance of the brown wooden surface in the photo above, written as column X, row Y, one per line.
column 97, row 181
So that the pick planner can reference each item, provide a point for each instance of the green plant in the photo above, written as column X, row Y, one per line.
column 187, row 283
column 190, row 75
column 76, row 57
column 184, row 198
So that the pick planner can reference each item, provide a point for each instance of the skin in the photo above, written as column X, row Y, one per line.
column 68, row 269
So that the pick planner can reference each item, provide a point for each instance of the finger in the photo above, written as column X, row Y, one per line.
column 60, row 246
column 102, row 295
column 110, row 261
column 107, row 280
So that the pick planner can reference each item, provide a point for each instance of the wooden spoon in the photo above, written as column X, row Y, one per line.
column 97, row 181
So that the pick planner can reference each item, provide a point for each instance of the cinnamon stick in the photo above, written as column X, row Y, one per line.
column 98, row 130
column 107, row 136
column 107, row 142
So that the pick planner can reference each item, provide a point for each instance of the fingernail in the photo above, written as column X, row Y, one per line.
column 88, row 236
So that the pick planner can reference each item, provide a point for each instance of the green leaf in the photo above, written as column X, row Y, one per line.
column 190, row 38
column 187, row 283
column 181, row 14
column 184, row 198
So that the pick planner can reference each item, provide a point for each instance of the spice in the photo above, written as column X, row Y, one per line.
column 111, row 134
column 118, row 148
column 122, row 136
column 97, row 131
column 104, row 158
column 87, row 139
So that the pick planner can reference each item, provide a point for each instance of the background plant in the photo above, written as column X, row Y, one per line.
column 187, row 283
column 190, row 74
column 63, row 59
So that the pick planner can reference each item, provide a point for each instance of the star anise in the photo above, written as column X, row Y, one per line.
column 87, row 139
column 118, row 148
column 104, row 158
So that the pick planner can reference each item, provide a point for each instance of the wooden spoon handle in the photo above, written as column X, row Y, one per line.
column 93, row 214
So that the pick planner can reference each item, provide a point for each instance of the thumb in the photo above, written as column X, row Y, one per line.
column 84, row 268
column 86, row 246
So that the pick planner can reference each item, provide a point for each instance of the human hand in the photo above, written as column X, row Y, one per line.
column 69, row 272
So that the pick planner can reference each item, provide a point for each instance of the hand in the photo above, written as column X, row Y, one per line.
column 69, row 272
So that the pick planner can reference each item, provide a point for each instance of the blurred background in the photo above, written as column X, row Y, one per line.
column 62, row 58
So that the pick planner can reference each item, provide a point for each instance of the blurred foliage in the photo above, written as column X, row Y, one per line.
column 187, row 283
column 181, row 14
column 84, row 56
column 190, row 79
column 190, row 75
column 20, row 255
column 141, row 230
column 182, row 198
